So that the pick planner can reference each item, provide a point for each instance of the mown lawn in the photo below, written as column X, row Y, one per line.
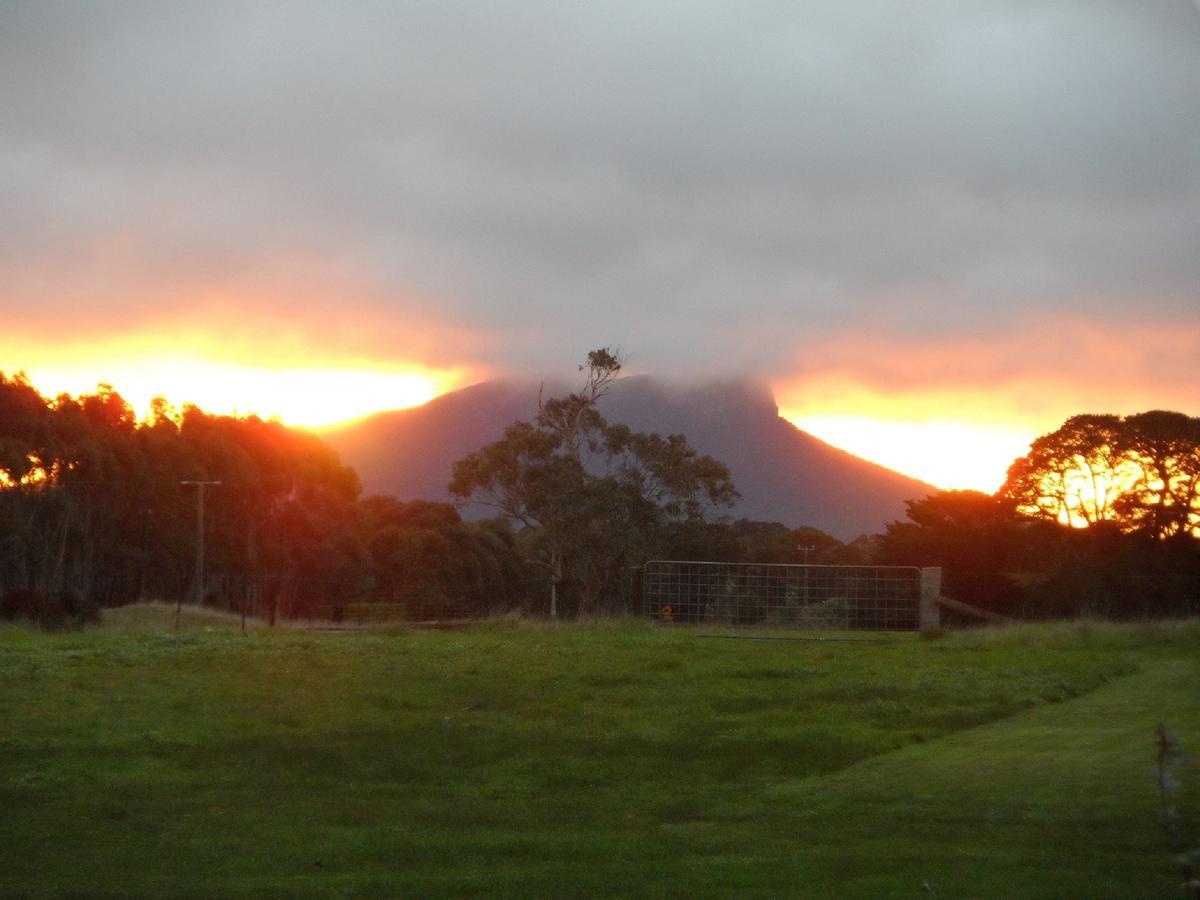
column 518, row 759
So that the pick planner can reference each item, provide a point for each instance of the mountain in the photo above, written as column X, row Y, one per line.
column 784, row 474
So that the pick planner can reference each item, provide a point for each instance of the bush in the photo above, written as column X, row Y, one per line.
column 53, row 610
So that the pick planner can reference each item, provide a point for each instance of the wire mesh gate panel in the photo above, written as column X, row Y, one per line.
column 845, row 598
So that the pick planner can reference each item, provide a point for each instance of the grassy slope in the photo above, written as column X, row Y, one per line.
column 609, row 758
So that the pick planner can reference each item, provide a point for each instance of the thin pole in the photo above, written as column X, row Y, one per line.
column 199, row 586
column 553, row 599
column 805, row 551
column 555, row 572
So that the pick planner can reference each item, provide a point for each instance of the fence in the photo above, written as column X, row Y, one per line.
column 876, row 598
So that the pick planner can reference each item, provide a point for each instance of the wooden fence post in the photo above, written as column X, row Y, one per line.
column 930, row 619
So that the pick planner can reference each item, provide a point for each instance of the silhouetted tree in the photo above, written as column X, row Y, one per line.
column 1141, row 472
column 91, row 504
column 774, row 542
column 969, row 534
column 424, row 554
column 591, row 495
column 1164, row 499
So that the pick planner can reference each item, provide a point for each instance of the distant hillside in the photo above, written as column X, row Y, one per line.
column 784, row 474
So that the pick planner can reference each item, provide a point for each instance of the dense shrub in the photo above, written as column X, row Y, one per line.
column 51, row 610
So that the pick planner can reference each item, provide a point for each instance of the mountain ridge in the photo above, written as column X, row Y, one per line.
column 782, row 472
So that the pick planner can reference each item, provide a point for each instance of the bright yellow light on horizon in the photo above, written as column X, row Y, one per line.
column 303, row 397
column 947, row 454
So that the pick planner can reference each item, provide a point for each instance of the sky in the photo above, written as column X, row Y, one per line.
column 935, row 229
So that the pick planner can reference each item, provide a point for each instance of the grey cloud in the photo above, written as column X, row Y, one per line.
column 667, row 176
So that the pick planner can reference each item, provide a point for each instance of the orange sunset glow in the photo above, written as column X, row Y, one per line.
column 1083, row 496
column 951, row 437
column 946, row 454
column 309, row 397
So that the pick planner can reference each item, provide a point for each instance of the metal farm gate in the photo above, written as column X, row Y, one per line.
column 844, row 598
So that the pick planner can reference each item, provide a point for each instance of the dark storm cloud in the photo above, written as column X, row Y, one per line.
column 665, row 176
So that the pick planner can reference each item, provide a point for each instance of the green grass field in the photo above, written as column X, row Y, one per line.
column 615, row 758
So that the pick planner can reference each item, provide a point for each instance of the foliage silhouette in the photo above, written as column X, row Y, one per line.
column 92, row 513
column 592, row 497
column 1140, row 472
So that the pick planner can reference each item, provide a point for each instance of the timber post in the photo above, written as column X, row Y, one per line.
column 930, row 619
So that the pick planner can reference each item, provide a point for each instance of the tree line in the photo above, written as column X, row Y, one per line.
column 1100, row 517
column 94, row 512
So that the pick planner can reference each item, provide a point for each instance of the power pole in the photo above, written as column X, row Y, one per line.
column 199, row 593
